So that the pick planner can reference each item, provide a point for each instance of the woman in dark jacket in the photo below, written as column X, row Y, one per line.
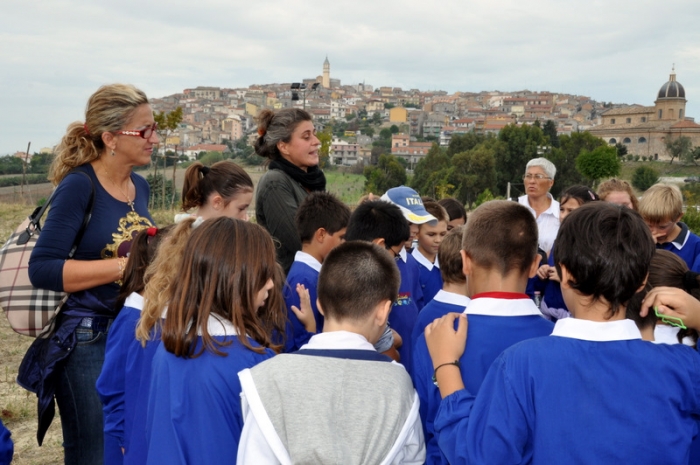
column 288, row 138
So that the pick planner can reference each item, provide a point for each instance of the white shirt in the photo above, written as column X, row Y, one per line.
column 547, row 222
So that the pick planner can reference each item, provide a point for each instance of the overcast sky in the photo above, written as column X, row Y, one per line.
column 55, row 53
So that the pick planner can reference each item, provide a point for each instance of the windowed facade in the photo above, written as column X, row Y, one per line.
column 626, row 140
column 629, row 120
column 642, row 140
column 612, row 121
column 612, row 141
column 644, row 119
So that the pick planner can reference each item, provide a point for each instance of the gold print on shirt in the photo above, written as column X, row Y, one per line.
column 129, row 226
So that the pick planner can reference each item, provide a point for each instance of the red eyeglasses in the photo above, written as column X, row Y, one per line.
column 143, row 133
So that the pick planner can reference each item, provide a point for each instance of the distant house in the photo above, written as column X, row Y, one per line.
column 193, row 151
column 398, row 115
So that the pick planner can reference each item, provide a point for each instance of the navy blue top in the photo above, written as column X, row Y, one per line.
column 686, row 246
column 108, row 235
column 297, row 335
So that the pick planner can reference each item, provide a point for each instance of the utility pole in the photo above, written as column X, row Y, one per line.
column 24, row 170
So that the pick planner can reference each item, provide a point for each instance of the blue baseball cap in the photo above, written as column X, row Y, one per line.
column 410, row 204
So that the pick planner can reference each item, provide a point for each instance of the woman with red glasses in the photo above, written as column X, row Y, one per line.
column 95, row 160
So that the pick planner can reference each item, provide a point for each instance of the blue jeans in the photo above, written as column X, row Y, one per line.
column 78, row 403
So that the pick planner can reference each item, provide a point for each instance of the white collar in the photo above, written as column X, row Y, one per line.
column 420, row 258
column 403, row 254
column 335, row 340
column 217, row 326
column 451, row 298
column 502, row 304
column 307, row 259
column 552, row 210
column 135, row 300
column 586, row 330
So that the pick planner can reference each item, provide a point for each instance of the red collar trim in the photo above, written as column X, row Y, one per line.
column 501, row 295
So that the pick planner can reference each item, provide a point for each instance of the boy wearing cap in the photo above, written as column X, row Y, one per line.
column 412, row 208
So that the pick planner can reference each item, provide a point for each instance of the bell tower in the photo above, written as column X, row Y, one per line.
column 326, row 82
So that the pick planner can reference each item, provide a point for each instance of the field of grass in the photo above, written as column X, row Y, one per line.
column 664, row 168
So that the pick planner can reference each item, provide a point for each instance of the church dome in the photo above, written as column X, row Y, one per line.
column 672, row 89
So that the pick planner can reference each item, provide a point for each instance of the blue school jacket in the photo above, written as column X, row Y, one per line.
column 429, row 276
column 404, row 312
column 443, row 303
column 497, row 320
column 592, row 392
column 194, row 409
column 304, row 270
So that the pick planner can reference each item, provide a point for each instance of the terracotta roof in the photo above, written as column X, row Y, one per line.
column 632, row 110
column 685, row 124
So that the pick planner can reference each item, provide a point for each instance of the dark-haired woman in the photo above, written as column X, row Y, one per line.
column 288, row 139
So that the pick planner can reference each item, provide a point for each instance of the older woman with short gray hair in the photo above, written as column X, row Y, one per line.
column 538, row 180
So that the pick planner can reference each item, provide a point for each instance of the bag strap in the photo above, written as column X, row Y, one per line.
column 35, row 218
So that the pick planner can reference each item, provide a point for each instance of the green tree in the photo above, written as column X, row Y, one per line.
column 550, row 131
column 564, row 158
column 209, row 158
column 324, row 151
column 473, row 172
column 679, row 147
column 424, row 174
column 464, row 142
column 621, row 149
column 41, row 162
column 158, row 187
column 376, row 118
column 521, row 143
column 600, row 163
column 385, row 134
column 394, row 129
column 484, row 197
column 368, row 131
column 387, row 174
column 644, row 177
column 403, row 162
column 167, row 123
column 9, row 164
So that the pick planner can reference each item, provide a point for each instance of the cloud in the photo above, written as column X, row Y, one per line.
column 58, row 52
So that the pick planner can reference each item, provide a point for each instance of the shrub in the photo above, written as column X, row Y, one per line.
column 644, row 177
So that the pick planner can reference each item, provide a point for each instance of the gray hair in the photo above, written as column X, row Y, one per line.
column 274, row 127
column 548, row 167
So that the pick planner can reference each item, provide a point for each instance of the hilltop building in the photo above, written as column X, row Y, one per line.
column 644, row 130
column 326, row 81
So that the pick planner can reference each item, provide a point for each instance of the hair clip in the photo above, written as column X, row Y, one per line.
column 261, row 132
column 670, row 320
column 86, row 129
column 592, row 195
column 152, row 231
column 204, row 170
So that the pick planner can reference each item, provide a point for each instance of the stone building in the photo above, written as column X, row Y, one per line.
column 644, row 130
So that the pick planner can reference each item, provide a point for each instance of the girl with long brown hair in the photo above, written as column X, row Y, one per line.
column 224, row 307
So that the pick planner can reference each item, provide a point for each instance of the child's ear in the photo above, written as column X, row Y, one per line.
column 217, row 202
column 646, row 278
column 535, row 266
column 381, row 314
column 320, row 235
column 318, row 307
column 566, row 277
column 379, row 241
column 466, row 263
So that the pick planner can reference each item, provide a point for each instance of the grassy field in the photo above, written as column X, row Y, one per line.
column 664, row 168
column 17, row 406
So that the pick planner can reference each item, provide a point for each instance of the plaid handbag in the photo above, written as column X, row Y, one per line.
column 30, row 309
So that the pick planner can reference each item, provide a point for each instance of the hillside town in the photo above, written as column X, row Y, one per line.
column 214, row 118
